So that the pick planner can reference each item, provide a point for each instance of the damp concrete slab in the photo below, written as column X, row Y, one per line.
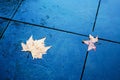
column 3, row 24
column 103, row 64
column 71, row 15
column 108, row 21
column 64, row 61
column 8, row 7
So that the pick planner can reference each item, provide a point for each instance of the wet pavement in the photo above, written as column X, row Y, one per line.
column 65, row 24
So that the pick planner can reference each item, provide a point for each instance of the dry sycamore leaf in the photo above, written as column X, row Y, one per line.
column 36, row 47
column 91, row 42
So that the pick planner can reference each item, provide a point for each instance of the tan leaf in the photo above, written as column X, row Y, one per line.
column 36, row 47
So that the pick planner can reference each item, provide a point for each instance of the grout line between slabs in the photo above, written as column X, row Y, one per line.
column 1, row 35
column 70, row 32
column 83, row 69
column 96, row 15
column 87, row 53
column 37, row 25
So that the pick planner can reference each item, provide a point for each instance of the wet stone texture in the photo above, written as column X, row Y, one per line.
column 108, row 22
column 3, row 24
column 104, row 63
column 71, row 15
column 7, row 7
column 65, row 24
column 63, row 61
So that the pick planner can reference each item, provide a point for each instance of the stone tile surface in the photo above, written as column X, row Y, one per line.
column 63, row 61
column 3, row 24
column 108, row 22
column 103, row 64
column 7, row 7
column 71, row 15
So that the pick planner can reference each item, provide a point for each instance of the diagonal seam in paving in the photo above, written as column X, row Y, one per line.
column 61, row 30
column 87, row 53
column 94, row 25
column 1, row 35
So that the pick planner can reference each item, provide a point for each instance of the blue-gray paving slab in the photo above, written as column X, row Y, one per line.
column 104, row 63
column 3, row 24
column 108, row 22
column 7, row 66
column 64, row 61
column 71, row 15
column 7, row 7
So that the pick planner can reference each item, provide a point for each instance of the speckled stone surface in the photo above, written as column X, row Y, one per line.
column 108, row 22
column 63, row 61
column 8, row 7
column 3, row 24
column 71, row 15
column 104, row 63
column 65, row 23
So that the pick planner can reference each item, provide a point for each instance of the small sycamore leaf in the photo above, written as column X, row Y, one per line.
column 91, row 42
